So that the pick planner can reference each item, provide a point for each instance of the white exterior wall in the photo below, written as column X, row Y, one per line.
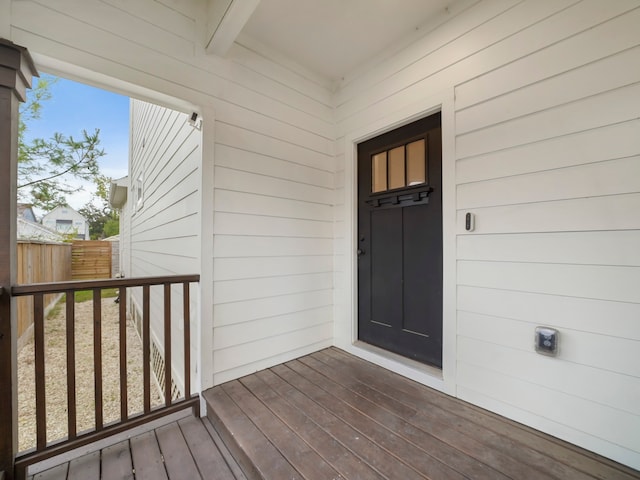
column 268, row 138
column 163, row 209
column 79, row 225
column 540, row 103
column 34, row 231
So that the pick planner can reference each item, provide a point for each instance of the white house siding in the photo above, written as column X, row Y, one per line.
column 163, row 206
column 547, row 157
column 78, row 225
column 274, row 134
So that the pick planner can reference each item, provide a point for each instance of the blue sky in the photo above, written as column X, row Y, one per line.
column 74, row 107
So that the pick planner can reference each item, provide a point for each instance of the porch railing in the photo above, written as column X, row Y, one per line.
column 75, row 439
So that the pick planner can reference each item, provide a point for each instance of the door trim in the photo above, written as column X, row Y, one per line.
column 346, row 298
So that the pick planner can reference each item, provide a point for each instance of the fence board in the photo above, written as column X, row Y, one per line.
column 39, row 262
column 90, row 259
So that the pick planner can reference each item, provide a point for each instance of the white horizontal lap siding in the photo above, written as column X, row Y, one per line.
column 548, row 150
column 165, row 229
column 273, row 257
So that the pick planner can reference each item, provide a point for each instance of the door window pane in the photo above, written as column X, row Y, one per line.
column 379, row 172
column 396, row 168
column 416, row 163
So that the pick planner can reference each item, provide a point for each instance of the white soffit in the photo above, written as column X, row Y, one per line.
column 334, row 37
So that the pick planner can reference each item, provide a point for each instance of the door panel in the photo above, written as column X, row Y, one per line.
column 400, row 241
column 386, row 277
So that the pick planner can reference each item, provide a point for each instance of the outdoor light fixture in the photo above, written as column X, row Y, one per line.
column 195, row 120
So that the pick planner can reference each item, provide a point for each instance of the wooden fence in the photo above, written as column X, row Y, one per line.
column 40, row 263
column 91, row 259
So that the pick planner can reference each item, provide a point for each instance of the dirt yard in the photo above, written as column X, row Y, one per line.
column 56, row 378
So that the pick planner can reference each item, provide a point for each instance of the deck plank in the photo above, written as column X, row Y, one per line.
column 178, row 461
column 555, row 454
column 208, row 458
column 406, row 423
column 234, row 467
column 147, row 459
column 384, row 435
column 116, row 462
column 476, row 441
column 56, row 473
column 342, row 459
column 86, row 467
column 255, row 453
column 377, row 457
column 302, row 457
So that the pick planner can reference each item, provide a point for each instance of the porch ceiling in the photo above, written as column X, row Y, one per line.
column 333, row 37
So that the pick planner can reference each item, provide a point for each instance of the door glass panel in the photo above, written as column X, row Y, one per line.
column 415, row 163
column 379, row 172
column 396, row 168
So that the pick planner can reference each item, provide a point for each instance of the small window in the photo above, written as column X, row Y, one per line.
column 139, row 192
column 399, row 167
column 64, row 225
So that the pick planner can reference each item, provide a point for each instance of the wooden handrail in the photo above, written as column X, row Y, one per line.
column 61, row 287
column 45, row 449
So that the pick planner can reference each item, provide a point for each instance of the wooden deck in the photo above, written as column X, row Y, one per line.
column 188, row 449
column 330, row 415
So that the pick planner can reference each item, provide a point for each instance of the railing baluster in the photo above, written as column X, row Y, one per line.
column 146, row 349
column 75, row 439
column 71, row 365
column 97, row 355
column 124, row 406
column 187, row 339
column 167, row 344
column 38, row 340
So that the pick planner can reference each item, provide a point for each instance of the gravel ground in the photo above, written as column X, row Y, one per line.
column 56, row 378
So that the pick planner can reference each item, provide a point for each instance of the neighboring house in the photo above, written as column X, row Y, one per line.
column 25, row 211
column 29, row 229
column 512, row 203
column 66, row 220
column 34, row 231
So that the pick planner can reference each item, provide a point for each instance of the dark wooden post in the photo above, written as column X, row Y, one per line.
column 16, row 71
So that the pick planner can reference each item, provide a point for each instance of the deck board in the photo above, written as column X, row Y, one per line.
column 376, row 457
column 209, row 460
column 177, row 457
column 533, row 448
column 406, row 421
column 484, row 459
column 116, row 462
column 181, row 450
column 55, row 473
column 147, row 460
column 255, row 453
column 347, row 463
column 302, row 457
column 367, row 422
column 85, row 468
column 383, row 435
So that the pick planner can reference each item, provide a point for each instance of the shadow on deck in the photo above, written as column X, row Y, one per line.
column 330, row 415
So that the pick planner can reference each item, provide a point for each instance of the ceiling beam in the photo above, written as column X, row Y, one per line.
column 225, row 21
